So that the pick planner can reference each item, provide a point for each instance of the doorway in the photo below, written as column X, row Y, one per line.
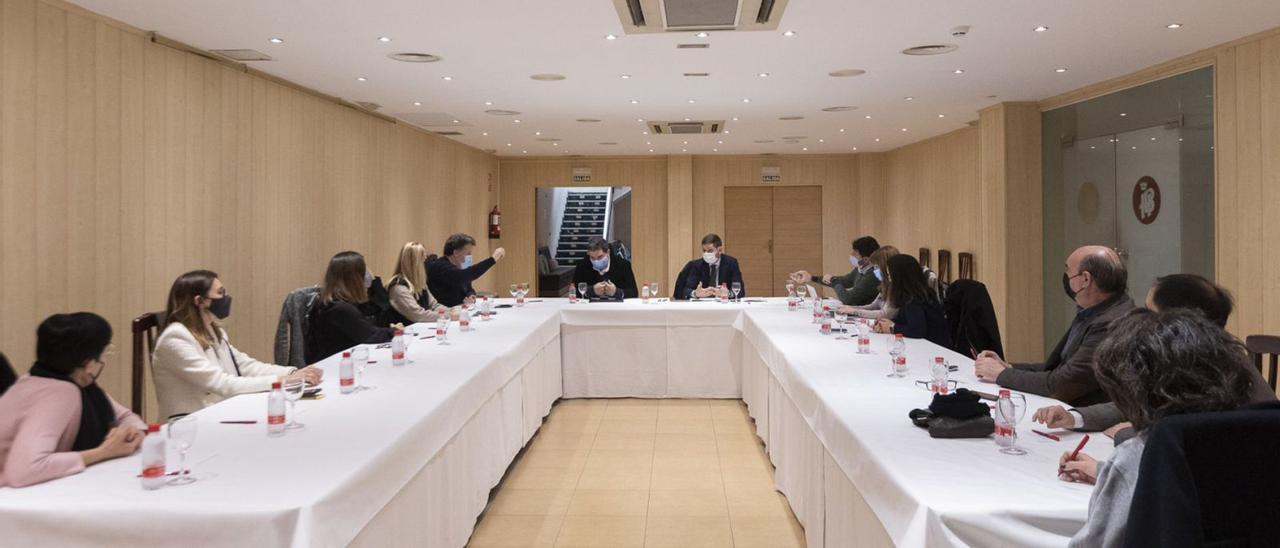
column 773, row 231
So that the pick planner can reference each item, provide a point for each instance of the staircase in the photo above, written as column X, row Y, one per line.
column 585, row 215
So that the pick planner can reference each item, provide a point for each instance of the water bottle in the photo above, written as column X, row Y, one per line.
column 864, row 339
column 898, row 351
column 792, row 301
column 644, row 294
column 397, row 348
column 464, row 320
column 346, row 374
column 573, row 297
column 276, row 406
column 1004, row 430
column 817, row 311
column 939, row 374
column 486, row 306
column 153, row 455
column 826, row 325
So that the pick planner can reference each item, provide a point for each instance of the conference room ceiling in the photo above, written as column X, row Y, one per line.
column 769, row 88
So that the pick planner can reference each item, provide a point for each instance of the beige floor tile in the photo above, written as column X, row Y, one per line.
column 733, row 426
column 684, row 413
column 602, row 531
column 531, row 502
column 688, row 502
column 644, row 426
column 692, row 443
column 753, row 532
column 623, row 441
column 747, row 503
column 572, row 425
column 676, row 426
column 562, row 440
column 724, row 403
column 496, row 530
column 722, row 412
column 555, row 458
column 738, row 445
column 615, row 478
column 703, row 532
column 532, row 477
column 619, row 459
column 582, row 402
column 633, row 402
column 670, row 459
column 631, row 413
column 745, row 460
column 750, row 477
column 609, row 502
column 684, row 403
column 685, row 478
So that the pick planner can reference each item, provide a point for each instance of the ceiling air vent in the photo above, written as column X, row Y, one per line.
column 243, row 54
column 693, row 46
column 653, row 16
column 697, row 74
column 693, row 127
column 931, row 49
column 449, row 133
column 411, row 57
column 500, row 112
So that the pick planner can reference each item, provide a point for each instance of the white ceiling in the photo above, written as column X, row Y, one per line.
column 491, row 47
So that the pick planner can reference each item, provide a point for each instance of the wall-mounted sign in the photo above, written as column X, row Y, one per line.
column 771, row 174
column 1146, row 200
column 582, row 175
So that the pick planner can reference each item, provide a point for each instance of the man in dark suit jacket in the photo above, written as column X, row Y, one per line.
column 701, row 277
column 1096, row 279
column 608, row 276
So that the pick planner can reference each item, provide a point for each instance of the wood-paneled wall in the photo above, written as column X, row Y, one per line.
column 124, row 163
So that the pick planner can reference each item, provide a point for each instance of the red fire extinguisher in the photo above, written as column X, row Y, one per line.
column 495, row 224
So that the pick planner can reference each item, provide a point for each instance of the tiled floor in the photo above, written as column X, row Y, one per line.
column 632, row 472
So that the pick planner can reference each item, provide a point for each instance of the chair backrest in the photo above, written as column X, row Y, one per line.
column 966, row 265
column 1269, row 345
column 926, row 257
column 291, row 330
column 944, row 265
column 146, row 329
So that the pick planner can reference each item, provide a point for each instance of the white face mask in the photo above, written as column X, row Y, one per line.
column 368, row 279
column 709, row 257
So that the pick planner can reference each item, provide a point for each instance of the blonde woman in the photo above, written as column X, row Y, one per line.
column 880, row 308
column 410, row 299
column 194, row 365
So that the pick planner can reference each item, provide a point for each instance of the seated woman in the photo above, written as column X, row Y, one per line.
column 919, row 315
column 1153, row 365
column 335, row 323
column 411, row 301
column 57, row 420
column 195, row 365
column 879, row 308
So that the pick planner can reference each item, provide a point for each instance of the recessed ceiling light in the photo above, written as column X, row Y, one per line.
column 715, row 150
column 1041, row 28
column 702, row 34
column 719, row 142
column 735, row 118
column 763, row 75
column 957, row 71
column 488, row 103
column 686, row 142
column 484, row 134
column 746, row 100
column 508, row 144
column 1153, row 138
column 846, row 73
column 684, row 150
column 908, row 98
column 276, row 40
column 822, row 140
column 1123, row 114
column 535, row 133
column 789, row 33
column 805, row 148
column 455, row 121
column 855, row 148
column 1173, row 26
column 644, row 133
column 877, row 139
column 867, row 116
column 904, row 129
column 691, row 101
column 625, row 76
column 555, row 144
column 726, row 132
column 841, row 130
column 648, row 142
column 1060, row 70
column 361, row 79
column 942, row 115
column 650, row 150
column 516, row 121
column 610, row 37
column 641, row 120
column 635, row 102
column 688, row 119
column 524, row 152
column 417, row 103
column 447, row 78
column 384, row 39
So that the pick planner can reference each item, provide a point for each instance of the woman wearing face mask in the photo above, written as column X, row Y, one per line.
column 57, row 420
column 195, row 365
column 335, row 322
column 879, row 308
column 919, row 315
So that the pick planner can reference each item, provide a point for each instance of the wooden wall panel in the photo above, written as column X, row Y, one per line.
column 124, row 163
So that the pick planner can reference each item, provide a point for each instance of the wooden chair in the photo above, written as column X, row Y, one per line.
column 145, row 327
column 966, row 265
column 1265, row 344
column 944, row 266
column 926, row 258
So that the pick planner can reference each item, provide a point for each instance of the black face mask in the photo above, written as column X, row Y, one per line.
column 1066, row 286
column 221, row 307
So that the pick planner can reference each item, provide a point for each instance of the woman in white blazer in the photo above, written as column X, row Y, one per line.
column 195, row 365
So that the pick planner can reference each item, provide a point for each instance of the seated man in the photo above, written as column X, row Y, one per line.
column 1095, row 279
column 859, row 286
column 608, row 276
column 1169, row 292
column 701, row 278
column 449, row 277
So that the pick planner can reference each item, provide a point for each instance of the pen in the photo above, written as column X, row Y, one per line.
column 239, row 422
column 1048, row 435
column 1061, row 467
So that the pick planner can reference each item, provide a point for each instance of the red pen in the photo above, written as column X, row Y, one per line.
column 1048, row 435
column 1061, row 467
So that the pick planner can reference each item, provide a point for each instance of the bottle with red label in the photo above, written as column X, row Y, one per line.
column 939, row 374
column 346, row 374
column 397, row 347
column 153, row 455
column 864, row 338
column 464, row 320
column 276, row 408
column 826, row 325
column 898, row 351
column 1004, row 430
column 722, row 294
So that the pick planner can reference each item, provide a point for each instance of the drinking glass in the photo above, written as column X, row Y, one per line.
column 582, row 288
column 1019, row 402
column 736, row 288
column 182, row 434
column 515, row 290
column 841, row 318
column 653, row 290
column 524, row 289
column 360, row 357
column 293, row 392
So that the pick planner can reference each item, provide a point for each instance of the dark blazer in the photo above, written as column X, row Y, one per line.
column 337, row 326
column 450, row 284
column 1067, row 374
column 972, row 318
column 698, row 271
column 619, row 273
column 923, row 321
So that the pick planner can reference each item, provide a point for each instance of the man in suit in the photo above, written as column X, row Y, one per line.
column 608, row 276
column 1096, row 280
column 702, row 277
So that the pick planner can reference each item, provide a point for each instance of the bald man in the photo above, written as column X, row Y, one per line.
column 1095, row 279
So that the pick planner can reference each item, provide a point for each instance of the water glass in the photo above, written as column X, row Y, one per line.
column 1011, row 418
column 360, row 358
column 293, row 390
column 736, row 288
column 841, row 318
column 182, row 435
column 582, row 289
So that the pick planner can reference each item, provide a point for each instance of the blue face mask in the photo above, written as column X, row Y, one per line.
column 853, row 261
column 466, row 262
column 876, row 271
column 600, row 264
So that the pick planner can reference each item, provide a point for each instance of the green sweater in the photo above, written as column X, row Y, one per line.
column 855, row 288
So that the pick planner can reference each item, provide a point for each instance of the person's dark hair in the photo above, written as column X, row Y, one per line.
column 1109, row 272
column 1172, row 362
column 713, row 239
column 456, row 242
column 64, row 342
column 598, row 244
column 344, row 279
column 1194, row 292
column 431, row 257
column 865, row 246
column 906, row 283
column 7, row 375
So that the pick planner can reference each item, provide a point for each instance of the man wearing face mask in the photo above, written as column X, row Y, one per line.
column 702, row 278
column 449, row 277
column 859, row 286
column 1096, row 280
column 608, row 276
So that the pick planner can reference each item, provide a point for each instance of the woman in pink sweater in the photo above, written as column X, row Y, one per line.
column 57, row 420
